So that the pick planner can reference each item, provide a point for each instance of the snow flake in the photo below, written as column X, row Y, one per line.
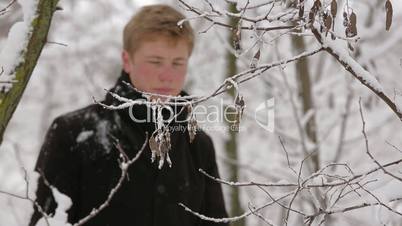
column 102, row 129
column 54, row 126
column 84, row 135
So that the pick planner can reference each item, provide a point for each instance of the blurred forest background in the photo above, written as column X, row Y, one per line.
column 82, row 58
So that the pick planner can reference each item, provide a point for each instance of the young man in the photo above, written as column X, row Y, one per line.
column 80, row 156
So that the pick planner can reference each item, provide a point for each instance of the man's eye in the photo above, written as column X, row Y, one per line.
column 155, row 62
column 178, row 64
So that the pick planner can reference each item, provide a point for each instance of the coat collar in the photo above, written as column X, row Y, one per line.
column 140, row 114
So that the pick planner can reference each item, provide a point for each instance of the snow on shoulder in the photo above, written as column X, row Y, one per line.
column 84, row 135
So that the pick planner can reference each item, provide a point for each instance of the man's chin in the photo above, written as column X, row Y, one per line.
column 164, row 91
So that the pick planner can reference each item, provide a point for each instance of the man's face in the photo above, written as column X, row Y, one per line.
column 158, row 66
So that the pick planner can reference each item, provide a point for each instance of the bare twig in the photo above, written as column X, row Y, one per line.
column 342, row 131
column 4, row 10
column 57, row 43
column 252, row 209
column 395, row 147
column 232, row 219
column 209, row 18
column 124, row 172
column 367, row 146
column 287, row 155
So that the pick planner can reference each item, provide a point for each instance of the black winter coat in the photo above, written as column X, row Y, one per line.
column 79, row 157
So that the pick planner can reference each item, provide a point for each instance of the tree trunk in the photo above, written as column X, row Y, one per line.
column 305, row 90
column 40, row 27
column 231, row 143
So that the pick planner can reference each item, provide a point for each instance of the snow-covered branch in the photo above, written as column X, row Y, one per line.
column 365, row 77
column 20, row 54
column 340, row 186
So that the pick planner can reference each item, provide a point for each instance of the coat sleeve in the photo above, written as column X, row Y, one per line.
column 59, row 165
column 214, row 202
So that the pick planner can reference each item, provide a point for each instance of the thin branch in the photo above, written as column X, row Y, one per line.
column 280, row 204
column 395, row 147
column 345, row 116
column 194, row 100
column 287, row 155
column 354, row 207
column 124, row 172
column 362, row 75
column 232, row 219
column 367, row 145
column 240, row 184
column 57, row 43
column 252, row 209
column 4, row 10
column 208, row 17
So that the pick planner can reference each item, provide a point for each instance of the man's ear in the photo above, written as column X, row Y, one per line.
column 126, row 60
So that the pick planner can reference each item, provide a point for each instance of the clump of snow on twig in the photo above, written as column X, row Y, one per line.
column 60, row 217
column 16, row 44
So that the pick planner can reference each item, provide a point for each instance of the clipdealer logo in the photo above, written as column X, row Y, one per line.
column 264, row 115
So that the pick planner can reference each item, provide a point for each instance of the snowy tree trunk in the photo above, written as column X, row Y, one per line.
column 231, row 142
column 36, row 39
column 305, row 89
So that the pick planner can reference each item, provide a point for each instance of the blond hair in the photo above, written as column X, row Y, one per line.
column 155, row 21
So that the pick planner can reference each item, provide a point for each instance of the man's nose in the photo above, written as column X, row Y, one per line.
column 167, row 73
